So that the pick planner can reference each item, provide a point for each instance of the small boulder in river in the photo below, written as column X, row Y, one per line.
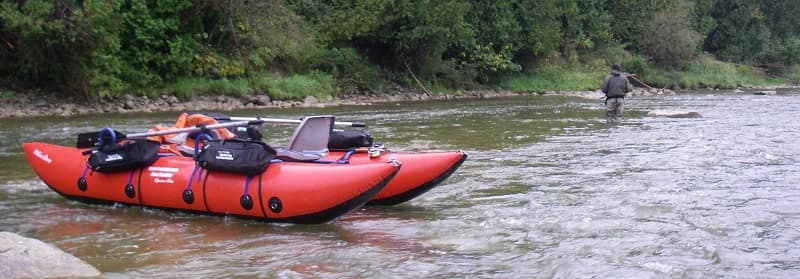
column 765, row 92
column 674, row 114
column 22, row 257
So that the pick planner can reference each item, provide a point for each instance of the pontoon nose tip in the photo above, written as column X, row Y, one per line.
column 26, row 146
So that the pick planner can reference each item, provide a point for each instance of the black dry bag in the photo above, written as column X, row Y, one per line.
column 349, row 139
column 124, row 156
column 238, row 156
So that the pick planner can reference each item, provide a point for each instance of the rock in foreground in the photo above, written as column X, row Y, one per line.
column 22, row 257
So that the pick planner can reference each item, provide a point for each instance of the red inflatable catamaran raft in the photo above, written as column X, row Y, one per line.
column 293, row 192
column 421, row 171
column 285, row 192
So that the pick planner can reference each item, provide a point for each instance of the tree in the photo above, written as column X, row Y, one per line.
column 497, row 38
column 741, row 34
column 60, row 45
column 627, row 17
column 782, row 20
column 585, row 24
column 158, row 41
column 702, row 21
column 670, row 40
column 395, row 33
column 541, row 30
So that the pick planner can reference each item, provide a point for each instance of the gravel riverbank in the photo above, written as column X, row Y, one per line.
column 31, row 105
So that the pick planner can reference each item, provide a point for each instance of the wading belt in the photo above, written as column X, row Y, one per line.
column 606, row 100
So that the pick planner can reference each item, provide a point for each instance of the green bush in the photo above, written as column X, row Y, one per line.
column 297, row 87
column 261, row 82
column 156, row 41
column 709, row 73
column 792, row 74
column 213, row 65
column 668, row 38
column 791, row 51
column 741, row 34
column 186, row 88
column 637, row 64
column 265, row 34
column 59, row 51
column 555, row 78
column 233, row 87
column 351, row 70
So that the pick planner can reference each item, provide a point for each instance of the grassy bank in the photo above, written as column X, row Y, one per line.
column 294, row 87
column 555, row 78
column 705, row 72
column 702, row 73
column 709, row 73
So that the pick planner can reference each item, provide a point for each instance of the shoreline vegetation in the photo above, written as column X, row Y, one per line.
column 309, row 91
column 38, row 105
column 78, row 57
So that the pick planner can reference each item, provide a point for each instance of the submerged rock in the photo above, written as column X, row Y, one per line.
column 674, row 114
column 765, row 92
column 22, row 257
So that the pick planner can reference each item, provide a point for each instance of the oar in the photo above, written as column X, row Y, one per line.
column 285, row 121
column 87, row 140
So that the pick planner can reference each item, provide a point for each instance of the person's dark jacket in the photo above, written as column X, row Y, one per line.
column 616, row 85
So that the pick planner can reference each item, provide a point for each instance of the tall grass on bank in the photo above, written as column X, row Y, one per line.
column 190, row 87
column 555, row 78
column 709, row 73
column 295, row 87
column 792, row 74
column 704, row 72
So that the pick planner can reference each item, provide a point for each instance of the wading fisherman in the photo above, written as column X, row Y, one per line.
column 615, row 87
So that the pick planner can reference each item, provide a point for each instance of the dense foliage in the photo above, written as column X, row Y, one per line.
column 668, row 38
column 103, row 48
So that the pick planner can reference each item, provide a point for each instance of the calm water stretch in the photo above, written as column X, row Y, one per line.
column 548, row 191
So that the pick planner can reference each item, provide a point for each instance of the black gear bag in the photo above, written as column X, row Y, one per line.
column 349, row 139
column 238, row 156
column 127, row 155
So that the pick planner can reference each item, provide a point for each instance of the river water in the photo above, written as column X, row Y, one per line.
column 549, row 191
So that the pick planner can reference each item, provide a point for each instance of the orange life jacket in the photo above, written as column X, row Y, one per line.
column 182, row 142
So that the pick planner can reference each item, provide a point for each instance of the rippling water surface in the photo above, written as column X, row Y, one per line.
column 548, row 191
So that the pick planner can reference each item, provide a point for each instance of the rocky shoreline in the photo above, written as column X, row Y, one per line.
column 32, row 105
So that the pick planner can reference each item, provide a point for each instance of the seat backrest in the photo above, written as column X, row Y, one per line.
column 311, row 136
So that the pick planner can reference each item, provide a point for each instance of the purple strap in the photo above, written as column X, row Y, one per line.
column 247, row 183
column 85, row 169
column 130, row 177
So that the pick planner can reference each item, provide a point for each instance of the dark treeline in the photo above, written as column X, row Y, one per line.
column 102, row 48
